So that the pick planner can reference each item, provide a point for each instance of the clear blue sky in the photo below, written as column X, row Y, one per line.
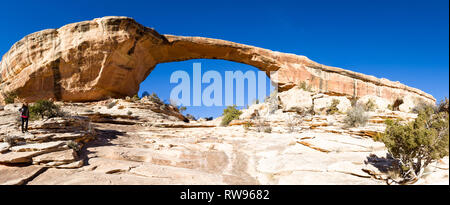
column 406, row 41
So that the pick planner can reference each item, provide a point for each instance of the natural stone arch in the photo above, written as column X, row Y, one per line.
column 111, row 56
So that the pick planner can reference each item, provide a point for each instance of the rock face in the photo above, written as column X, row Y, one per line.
column 321, row 103
column 380, row 103
column 111, row 56
column 296, row 100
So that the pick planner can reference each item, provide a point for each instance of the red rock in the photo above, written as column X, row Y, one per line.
column 111, row 56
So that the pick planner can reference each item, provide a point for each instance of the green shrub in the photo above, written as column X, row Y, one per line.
column 229, row 114
column 9, row 97
column 74, row 145
column 356, row 117
column 247, row 125
column 421, row 106
column 332, row 109
column 182, row 108
column 416, row 144
column 135, row 98
column 154, row 98
column 391, row 107
column 45, row 108
column 443, row 106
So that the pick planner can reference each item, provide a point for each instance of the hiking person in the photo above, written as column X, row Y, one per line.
column 24, row 115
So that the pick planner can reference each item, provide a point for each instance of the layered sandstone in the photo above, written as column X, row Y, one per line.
column 150, row 147
column 111, row 56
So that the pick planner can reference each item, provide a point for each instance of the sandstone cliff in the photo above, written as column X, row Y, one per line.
column 111, row 56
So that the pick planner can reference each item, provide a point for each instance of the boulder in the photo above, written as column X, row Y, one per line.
column 408, row 104
column 46, row 146
column 65, row 156
column 14, row 107
column 296, row 100
column 17, row 157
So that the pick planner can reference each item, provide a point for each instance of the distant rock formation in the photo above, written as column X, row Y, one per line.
column 111, row 56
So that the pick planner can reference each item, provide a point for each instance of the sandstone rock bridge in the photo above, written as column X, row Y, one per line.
column 111, row 56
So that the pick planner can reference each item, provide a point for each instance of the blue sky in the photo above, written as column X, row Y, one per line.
column 406, row 41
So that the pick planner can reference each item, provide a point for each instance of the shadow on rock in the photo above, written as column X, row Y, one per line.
column 383, row 164
column 103, row 138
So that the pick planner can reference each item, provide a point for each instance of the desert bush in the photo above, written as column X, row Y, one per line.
column 129, row 112
column 443, row 106
column 135, row 98
column 154, row 98
column 422, row 106
column 354, row 101
column 11, row 140
column 305, row 87
column 9, row 97
column 261, row 125
column 45, row 108
column 272, row 101
column 292, row 123
column 370, row 105
column 182, row 108
column 229, row 114
column 332, row 109
column 73, row 145
column 247, row 125
column 418, row 143
column 191, row 117
column 356, row 117
column 391, row 107
column 290, row 126
column 111, row 104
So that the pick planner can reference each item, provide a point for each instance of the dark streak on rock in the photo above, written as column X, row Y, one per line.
column 56, row 79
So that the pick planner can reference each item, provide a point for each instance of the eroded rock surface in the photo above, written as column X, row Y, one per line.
column 111, row 56
column 148, row 147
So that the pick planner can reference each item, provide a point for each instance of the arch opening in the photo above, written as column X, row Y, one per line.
column 159, row 82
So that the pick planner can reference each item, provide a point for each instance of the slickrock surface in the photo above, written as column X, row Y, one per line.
column 148, row 147
column 111, row 56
